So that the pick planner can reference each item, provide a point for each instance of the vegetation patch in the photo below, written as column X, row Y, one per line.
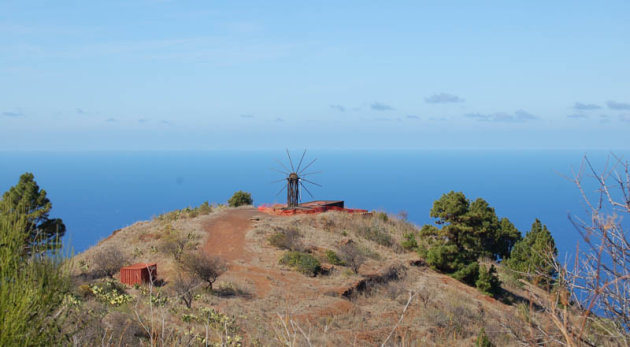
column 288, row 239
column 488, row 282
column 469, row 231
column 110, row 292
column 188, row 212
column 333, row 258
column 240, row 198
column 303, row 262
column 377, row 234
column 218, row 322
column 532, row 255
column 409, row 243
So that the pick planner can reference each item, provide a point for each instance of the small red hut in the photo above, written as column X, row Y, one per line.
column 138, row 273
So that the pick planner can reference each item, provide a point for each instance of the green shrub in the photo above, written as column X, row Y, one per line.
column 376, row 234
column 303, row 262
column 533, row 253
column 483, row 340
column 333, row 258
column 204, row 208
column 382, row 216
column 467, row 274
column 187, row 212
column 444, row 257
column 409, row 243
column 32, row 289
column 488, row 282
column 240, row 198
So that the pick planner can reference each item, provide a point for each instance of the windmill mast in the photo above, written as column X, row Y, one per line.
column 293, row 190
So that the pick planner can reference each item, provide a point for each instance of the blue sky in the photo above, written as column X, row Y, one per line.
column 109, row 75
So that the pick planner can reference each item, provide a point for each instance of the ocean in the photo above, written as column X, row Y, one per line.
column 96, row 193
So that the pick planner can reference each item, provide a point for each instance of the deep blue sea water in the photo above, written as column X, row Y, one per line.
column 98, row 192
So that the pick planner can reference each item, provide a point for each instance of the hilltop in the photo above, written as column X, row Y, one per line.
column 393, row 296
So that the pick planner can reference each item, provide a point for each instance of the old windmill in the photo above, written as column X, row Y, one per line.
column 295, row 179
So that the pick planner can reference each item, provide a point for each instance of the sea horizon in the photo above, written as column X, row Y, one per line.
column 96, row 193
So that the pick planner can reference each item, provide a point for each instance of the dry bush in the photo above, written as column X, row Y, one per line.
column 602, row 267
column 204, row 266
column 352, row 256
column 453, row 321
column 108, row 260
column 590, row 301
column 231, row 289
column 176, row 242
column 288, row 238
column 184, row 288
column 122, row 329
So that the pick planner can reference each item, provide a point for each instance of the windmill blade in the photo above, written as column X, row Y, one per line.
column 311, row 182
column 311, row 173
column 309, row 164
column 308, row 191
column 280, row 180
column 280, row 171
column 290, row 161
column 279, row 162
column 283, row 188
column 300, row 164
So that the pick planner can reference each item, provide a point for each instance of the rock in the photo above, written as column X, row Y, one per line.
column 418, row 262
column 327, row 268
column 346, row 241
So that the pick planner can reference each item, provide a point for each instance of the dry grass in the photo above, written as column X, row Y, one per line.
column 269, row 304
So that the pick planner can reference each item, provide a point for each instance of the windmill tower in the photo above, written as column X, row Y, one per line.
column 295, row 180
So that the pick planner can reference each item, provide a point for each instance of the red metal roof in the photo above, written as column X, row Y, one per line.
column 140, row 266
column 321, row 203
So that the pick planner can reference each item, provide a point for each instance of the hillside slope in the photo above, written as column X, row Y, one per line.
column 393, row 297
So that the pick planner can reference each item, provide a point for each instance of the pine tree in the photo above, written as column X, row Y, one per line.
column 488, row 282
column 532, row 255
column 468, row 231
column 40, row 232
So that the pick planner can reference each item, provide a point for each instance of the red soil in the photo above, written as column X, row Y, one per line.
column 226, row 238
column 226, row 234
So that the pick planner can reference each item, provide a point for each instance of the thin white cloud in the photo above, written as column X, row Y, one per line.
column 443, row 98
column 577, row 116
column 10, row 114
column 614, row 105
column 519, row 116
column 585, row 107
column 339, row 108
column 379, row 106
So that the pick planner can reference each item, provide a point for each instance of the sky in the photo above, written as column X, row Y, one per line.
column 203, row 75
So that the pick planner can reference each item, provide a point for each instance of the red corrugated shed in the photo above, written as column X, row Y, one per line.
column 138, row 273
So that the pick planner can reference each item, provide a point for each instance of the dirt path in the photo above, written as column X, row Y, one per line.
column 226, row 234
column 226, row 238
